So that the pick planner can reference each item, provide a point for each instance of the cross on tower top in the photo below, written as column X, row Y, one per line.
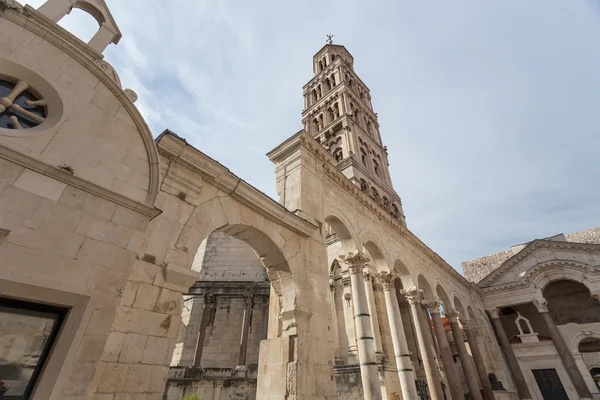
column 329, row 39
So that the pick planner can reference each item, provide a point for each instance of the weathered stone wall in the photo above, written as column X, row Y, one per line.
column 225, row 258
column 477, row 269
column 224, row 388
column 222, row 342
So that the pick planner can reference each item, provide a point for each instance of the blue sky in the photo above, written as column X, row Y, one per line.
column 490, row 110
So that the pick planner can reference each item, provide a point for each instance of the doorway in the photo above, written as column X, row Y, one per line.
column 550, row 384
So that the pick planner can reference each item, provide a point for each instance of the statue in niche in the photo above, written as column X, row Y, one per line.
column 496, row 384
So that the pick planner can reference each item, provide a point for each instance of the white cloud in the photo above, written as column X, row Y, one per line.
column 489, row 109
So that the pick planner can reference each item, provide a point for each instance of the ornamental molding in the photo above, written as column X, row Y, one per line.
column 541, row 270
column 529, row 250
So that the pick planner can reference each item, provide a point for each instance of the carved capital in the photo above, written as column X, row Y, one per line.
column 541, row 305
column 595, row 296
column 248, row 299
column 433, row 305
column 355, row 261
column 367, row 275
column 467, row 325
column 209, row 299
column 452, row 315
column 413, row 295
column 386, row 280
column 493, row 312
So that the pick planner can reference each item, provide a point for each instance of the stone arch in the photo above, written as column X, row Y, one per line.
column 344, row 231
column 564, row 294
column 403, row 274
column 108, row 31
column 543, row 274
column 423, row 284
column 458, row 306
column 91, row 9
column 443, row 296
column 580, row 337
column 378, row 259
column 221, row 213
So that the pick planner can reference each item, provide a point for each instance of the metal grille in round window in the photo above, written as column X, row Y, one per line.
column 20, row 108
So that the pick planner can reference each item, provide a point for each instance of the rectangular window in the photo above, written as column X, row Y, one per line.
column 27, row 333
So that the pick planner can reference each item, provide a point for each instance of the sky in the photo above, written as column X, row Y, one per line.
column 490, row 109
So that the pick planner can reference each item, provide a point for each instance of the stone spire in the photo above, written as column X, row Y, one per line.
column 339, row 114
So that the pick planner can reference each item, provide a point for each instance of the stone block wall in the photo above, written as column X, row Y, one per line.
column 225, row 258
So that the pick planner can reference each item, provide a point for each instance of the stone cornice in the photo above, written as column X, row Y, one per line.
column 176, row 148
column 529, row 250
column 332, row 172
column 75, row 181
column 32, row 20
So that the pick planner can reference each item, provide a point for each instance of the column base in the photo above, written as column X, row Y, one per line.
column 240, row 371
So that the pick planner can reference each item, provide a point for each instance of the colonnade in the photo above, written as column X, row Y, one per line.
column 368, row 338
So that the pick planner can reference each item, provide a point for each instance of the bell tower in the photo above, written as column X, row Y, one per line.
column 339, row 114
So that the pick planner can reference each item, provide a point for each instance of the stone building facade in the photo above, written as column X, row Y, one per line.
column 112, row 284
column 543, row 299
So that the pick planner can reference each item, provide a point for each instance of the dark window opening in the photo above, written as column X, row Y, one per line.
column 27, row 333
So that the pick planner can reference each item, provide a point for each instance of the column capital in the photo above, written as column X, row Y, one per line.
column 413, row 295
column 386, row 280
column 248, row 298
column 355, row 261
column 433, row 305
column 367, row 274
column 452, row 315
column 595, row 295
column 467, row 325
column 494, row 313
column 209, row 298
column 541, row 305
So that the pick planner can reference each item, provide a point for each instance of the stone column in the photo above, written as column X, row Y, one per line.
column 351, row 351
column 445, row 352
column 210, row 304
column 488, row 393
column 563, row 351
column 366, row 345
column 513, row 363
column 334, row 322
column 465, row 359
column 373, row 312
column 245, row 329
column 401, row 352
column 425, row 345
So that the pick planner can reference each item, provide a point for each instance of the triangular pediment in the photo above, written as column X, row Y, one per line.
column 541, row 252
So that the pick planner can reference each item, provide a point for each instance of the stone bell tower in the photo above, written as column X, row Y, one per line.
column 339, row 114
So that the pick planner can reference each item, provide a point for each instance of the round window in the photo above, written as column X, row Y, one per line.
column 20, row 108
